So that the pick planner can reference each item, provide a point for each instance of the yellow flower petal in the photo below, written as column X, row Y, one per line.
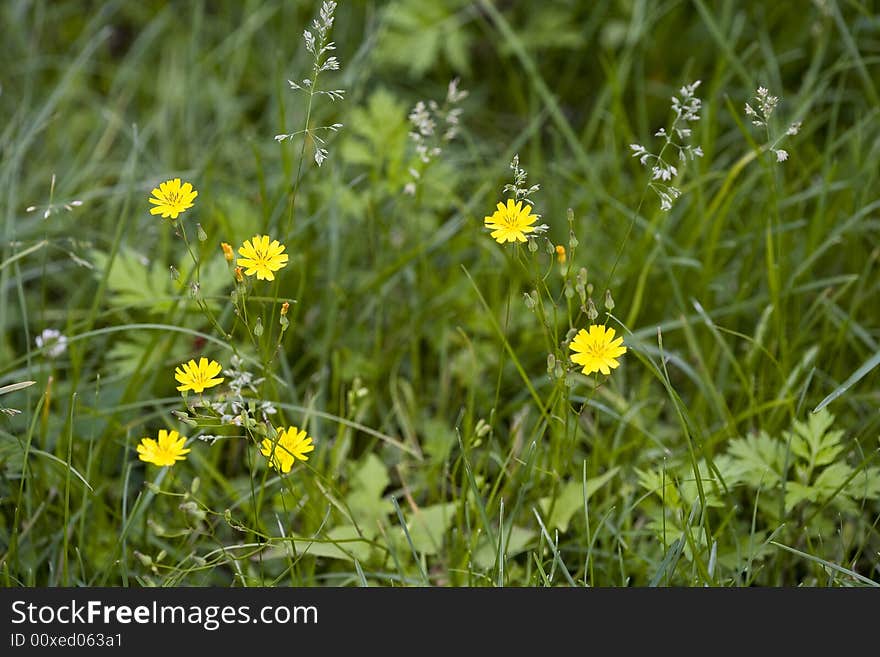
column 171, row 199
column 595, row 350
column 262, row 256
column 198, row 376
column 166, row 451
column 510, row 222
column 288, row 446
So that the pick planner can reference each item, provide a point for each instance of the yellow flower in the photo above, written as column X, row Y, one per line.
column 510, row 223
column 560, row 254
column 597, row 350
column 261, row 257
column 286, row 447
column 171, row 198
column 167, row 451
column 197, row 377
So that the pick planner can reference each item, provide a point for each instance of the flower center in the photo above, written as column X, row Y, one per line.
column 173, row 197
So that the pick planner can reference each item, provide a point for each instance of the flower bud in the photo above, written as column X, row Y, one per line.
column 609, row 301
column 227, row 251
column 560, row 254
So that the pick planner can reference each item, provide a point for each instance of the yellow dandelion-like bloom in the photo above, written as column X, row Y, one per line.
column 261, row 257
column 171, row 198
column 597, row 350
column 288, row 446
column 166, row 451
column 510, row 223
column 198, row 376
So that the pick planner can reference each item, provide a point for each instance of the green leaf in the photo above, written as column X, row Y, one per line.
column 419, row 34
column 428, row 525
column 438, row 439
column 812, row 441
column 571, row 499
column 865, row 485
column 653, row 481
column 376, row 136
column 125, row 353
column 854, row 378
column 518, row 541
column 830, row 481
column 135, row 281
column 689, row 490
column 138, row 283
column 341, row 542
column 795, row 493
column 760, row 458
column 833, row 477
column 733, row 471
column 365, row 499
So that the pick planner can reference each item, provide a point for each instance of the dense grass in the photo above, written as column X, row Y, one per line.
column 448, row 452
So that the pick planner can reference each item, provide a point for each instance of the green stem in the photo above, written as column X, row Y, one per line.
column 203, row 306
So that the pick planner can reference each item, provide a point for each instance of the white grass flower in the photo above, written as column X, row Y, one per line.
column 331, row 64
column 310, row 41
column 766, row 104
column 267, row 408
column 53, row 342
column 686, row 106
column 664, row 172
column 455, row 95
column 239, row 406
column 240, row 378
column 640, row 152
column 317, row 42
column 518, row 188
column 52, row 207
column 428, row 140
column 420, row 117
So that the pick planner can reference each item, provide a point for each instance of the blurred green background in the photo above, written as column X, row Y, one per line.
column 762, row 280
